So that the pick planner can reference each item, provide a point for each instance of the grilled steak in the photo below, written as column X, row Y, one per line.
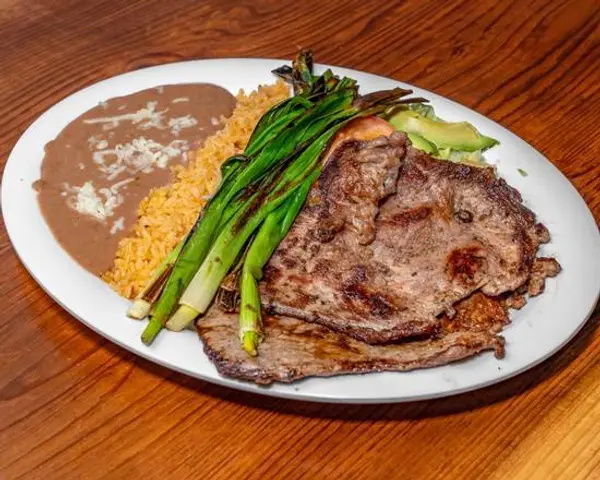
column 542, row 268
column 295, row 349
column 391, row 238
column 357, row 177
column 390, row 244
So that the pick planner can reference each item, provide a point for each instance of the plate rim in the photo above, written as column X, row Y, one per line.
column 249, row 387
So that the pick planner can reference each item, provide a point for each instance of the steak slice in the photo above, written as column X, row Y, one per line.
column 357, row 177
column 294, row 349
column 543, row 267
column 382, row 266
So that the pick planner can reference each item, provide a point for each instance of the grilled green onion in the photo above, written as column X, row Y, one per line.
column 143, row 302
column 239, row 173
column 260, row 194
column 227, row 246
column 271, row 233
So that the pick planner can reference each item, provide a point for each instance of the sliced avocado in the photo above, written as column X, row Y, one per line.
column 424, row 110
column 421, row 144
column 457, row 156
column 457, row 136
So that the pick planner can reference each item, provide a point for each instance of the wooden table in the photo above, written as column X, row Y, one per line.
column 72, row 405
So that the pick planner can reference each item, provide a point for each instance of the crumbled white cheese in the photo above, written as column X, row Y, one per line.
column 214, row 121
column 180, row 99
column 114, row 170
column 140, row 155
column 143, row 154
column 86, row 201
column 148, row 115
column 101, row 145
column 115, row 187
column 98, row 157
column 81, row 166
column 93, row 141
column 155, row 120
column 117, row 225
column 178, row 123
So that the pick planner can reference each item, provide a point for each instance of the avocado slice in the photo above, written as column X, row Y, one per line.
column 424, row 110
column 457, row 136
column 421, row 144
column 458, row 156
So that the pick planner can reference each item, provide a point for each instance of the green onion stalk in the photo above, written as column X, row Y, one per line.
column 270, row 234
column 200, row 292
column 141, row 306
column 258, row 198
column 239, row 176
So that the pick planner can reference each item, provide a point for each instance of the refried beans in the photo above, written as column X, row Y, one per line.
column 99, row 168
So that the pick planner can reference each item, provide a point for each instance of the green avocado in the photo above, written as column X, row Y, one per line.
column 457, row 136
column 421, row 144
column 425, row 110
column 458, row 156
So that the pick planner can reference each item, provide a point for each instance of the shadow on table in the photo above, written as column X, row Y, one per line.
column 411, row 410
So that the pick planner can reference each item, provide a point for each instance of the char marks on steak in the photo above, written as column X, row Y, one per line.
column 543, row 267
column 384, row 259
column 294, row 349
column 357, row 177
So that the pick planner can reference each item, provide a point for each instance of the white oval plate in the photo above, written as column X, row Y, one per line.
column 537, row 331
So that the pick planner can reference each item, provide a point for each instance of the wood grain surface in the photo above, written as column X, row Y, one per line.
column 72, row 405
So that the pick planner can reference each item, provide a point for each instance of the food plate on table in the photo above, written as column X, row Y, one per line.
column 341, row 237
